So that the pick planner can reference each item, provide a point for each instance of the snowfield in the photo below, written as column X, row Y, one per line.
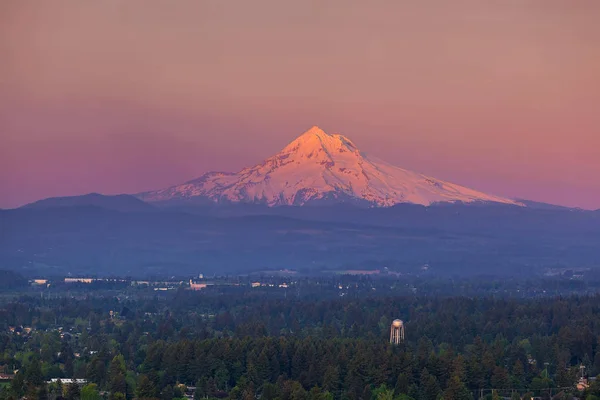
column 318, row 166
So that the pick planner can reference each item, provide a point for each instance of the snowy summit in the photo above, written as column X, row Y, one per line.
column 318, row 166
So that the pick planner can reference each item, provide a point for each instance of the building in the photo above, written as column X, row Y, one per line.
column 79, row 280
column 583, row 383
column 397, row 332
column 197, row 286
column 68, row 381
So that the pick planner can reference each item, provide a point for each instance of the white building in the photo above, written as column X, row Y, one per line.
column 68, row 381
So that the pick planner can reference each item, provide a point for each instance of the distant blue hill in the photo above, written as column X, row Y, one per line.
column 121, row 202
column 544, row 206
column 92, row 234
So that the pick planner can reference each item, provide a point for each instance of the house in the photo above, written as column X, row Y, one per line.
column 79, row 280
column 582, row 384
column 189, row 392
column 197, row 286
column 66, row 336
column 6, row 377
column 68, row 381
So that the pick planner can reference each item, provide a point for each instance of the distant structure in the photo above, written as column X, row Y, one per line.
column 68, row 381
column 197, row 286
column 583, row 383
column 397, row 332
column 79, row 280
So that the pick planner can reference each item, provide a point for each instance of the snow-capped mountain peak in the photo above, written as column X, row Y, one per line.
column 319, row 166
column 315, row 140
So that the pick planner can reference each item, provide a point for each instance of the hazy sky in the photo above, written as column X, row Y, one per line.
column 124, row 96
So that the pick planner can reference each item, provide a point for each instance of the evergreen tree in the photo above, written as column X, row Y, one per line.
column 456, row 390
column 270, row 391
column 402, row 384
column 429, row 386
column 518, row 374
column 145, row 388
column 18, row 385
column 383, row 393
column 33, row 372
column 167, row 393
column 42, row 393
column 96, row 371
column 55, row 390
column 527, row 396
column 200, row 392
column 31, row 392
column 90, row 392
column 73, row 392
column 117, row 381
column 331, row 379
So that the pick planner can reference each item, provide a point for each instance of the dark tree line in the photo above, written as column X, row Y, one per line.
column 246, row 347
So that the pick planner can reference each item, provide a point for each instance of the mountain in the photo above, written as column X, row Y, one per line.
column 544, row 206
column 317, row 168
column 121, row 202
column 462, row 239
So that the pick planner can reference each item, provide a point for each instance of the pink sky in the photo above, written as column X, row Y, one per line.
column 125, row 96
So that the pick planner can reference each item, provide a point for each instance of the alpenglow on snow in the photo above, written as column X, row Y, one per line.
column 318, row 166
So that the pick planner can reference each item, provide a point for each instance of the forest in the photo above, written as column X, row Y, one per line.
column 249, row 345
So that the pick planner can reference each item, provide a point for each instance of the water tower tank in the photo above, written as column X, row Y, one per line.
column 397, row 331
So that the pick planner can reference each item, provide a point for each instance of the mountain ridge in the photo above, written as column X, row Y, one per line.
column 321, row 167
column 452, row 239
column 120, row 202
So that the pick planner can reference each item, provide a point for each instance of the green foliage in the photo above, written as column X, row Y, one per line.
column 55, row 390
column 457, row 390
column 243, row 347
column 539, row 383
column 117, row 396
column 117, row 375
column 42, row 392
column 528, row 396
column 33, row 371
column 90, row 392
column 73, row 392
column 146, row 389
column 382, row 393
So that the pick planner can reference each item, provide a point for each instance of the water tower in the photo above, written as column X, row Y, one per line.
column 397, row 332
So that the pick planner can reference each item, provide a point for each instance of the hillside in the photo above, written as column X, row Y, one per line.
column 452, row 239
column 122, row 202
